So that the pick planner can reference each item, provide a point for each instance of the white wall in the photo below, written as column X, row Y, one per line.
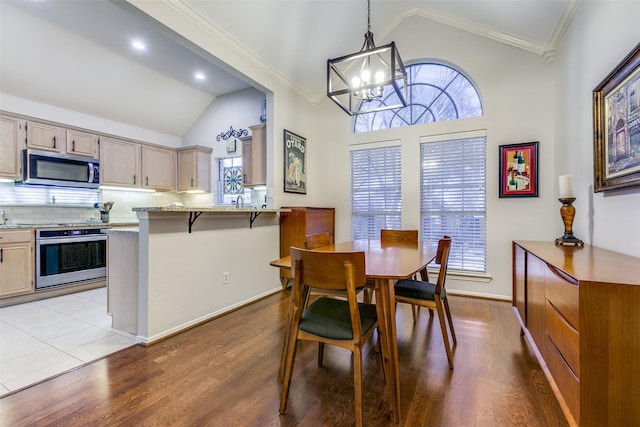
column 601, row 34
column 516, row 90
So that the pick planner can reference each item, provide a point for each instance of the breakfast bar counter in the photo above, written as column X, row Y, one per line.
column 196, row 263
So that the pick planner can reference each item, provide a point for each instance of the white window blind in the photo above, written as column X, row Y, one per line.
column 453, row 198
column 375, row 191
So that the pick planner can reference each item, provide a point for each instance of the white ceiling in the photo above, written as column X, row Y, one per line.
column 75, row 54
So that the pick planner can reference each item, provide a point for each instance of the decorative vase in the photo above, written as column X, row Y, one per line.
column 104, row 216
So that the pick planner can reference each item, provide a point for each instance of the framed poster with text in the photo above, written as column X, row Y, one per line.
column 295, row 163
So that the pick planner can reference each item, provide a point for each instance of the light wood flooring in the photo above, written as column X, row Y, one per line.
column 223, row 373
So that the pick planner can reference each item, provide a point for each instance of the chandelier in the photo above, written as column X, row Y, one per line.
column 365, row 81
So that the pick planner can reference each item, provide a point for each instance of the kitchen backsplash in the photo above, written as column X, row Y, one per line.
column 47, row 209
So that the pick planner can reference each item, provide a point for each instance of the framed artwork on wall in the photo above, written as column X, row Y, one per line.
column 616, row 126
column 518, row 170
column 295, row 163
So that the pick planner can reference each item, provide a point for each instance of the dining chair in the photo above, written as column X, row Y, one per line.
column 389, row 236
column 343, row 323
column 432, row 295
column 313, row 241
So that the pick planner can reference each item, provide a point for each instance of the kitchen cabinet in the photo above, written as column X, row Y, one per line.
column 254, row 161
column 119, row 163
column 194, row 169
column 16, row 262
column 158, row 168
column 297, row 224
column 81, row 144
column 47, row 137
column 579, row 308
column 10, row 165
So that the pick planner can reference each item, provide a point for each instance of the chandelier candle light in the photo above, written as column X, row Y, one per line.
column 567, row 211
column 373, row 79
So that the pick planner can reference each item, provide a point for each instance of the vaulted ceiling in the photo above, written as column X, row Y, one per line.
column 76, row 55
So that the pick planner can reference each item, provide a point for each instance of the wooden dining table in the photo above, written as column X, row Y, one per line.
column 384, row 264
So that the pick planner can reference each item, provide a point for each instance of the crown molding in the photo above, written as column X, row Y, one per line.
column 546, row 50
column 200, row 21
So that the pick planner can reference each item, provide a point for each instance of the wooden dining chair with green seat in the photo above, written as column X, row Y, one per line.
column 313, row 241
column 432, row 295
column 343, row 323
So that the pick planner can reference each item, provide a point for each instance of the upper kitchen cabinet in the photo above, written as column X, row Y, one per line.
column 119, row 163
column 254, row 157
column 10, row 128
column 194, row 169
column 158, row 168
column 42, row 136
column 81, row 143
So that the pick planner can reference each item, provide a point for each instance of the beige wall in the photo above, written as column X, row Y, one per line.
column 516, row 90
column 601, row 34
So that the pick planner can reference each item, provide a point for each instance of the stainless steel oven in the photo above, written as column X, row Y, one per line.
column 66, row 256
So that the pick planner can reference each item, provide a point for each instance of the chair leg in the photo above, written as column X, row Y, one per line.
column 320, row 353
column 445, row 334
column 288, row 371
column 413, row 312
column 453, row 332
column 357, row 384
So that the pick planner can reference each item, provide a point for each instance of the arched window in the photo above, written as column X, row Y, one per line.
column 435, row 92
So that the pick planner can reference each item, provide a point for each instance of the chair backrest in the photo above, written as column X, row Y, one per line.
column 398, row 236
column 313, row 241
column 442, row 258
column 328, row 270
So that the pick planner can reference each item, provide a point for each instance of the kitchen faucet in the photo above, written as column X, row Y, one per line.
column 239, row 202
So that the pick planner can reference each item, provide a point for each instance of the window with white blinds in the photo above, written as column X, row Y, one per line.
column 453, row 198
column 375, row 191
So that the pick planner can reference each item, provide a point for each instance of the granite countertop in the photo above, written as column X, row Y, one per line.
column 68, row 225
column 126, row 231
column 212, row 209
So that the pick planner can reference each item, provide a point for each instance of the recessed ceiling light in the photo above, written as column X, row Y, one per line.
column 137, row 44
column 199, row 76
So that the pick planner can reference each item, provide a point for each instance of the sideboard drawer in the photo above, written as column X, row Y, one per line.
column 568, row 384
column 565, row 337
column 562, row 291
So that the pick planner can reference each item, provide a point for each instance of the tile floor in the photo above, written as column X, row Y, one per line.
column 43, row 338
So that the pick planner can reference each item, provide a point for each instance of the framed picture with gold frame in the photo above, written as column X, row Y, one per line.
column 616, row 126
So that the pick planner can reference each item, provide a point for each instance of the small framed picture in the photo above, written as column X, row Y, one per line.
column 518, row 170
column 295, row 163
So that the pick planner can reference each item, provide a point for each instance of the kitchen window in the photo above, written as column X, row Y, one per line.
column 230, row 182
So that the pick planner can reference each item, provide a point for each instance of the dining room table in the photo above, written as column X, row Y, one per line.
column 385, row 263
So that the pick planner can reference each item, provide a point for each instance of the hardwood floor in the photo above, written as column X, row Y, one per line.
column 223, row 373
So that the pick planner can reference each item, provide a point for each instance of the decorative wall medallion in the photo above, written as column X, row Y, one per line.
column 232, row 180
column 263, row 116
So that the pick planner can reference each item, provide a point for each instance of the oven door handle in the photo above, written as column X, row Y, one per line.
column 71, row 240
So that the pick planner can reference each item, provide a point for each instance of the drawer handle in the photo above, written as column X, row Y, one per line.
column 562, row 275
column 564, row 362
column 1, row 256
column 553, row 307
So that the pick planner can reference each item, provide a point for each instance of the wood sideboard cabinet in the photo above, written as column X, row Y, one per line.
column 297, row 224
column 579, row 308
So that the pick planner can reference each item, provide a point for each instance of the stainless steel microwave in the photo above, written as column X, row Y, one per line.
column 63, row 170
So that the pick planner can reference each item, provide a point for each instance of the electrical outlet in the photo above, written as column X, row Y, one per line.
column 225, row 278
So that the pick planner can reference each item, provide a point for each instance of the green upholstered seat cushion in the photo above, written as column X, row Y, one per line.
column 416, row 289
column 330, row 318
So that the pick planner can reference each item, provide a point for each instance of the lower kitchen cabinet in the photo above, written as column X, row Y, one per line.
column 579, row 308
column 16, row 262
